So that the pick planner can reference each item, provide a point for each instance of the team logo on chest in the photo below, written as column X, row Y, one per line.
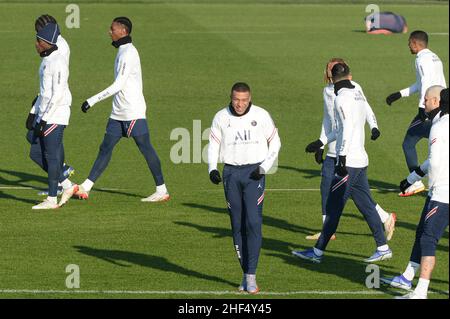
column 243, row 135
column 254, row 123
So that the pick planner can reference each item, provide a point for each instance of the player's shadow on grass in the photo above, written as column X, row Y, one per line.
column 20, row 179
column 409, row 226
column 268, row 221
column 116, row 192
column 349, row 269
column 121, row 258
column 5, row 196
column 383, row 187
column 267, row 243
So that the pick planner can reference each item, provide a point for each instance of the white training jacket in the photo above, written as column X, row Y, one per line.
column 437, row 163
column 329, row 121
column 63, row 48
column 429, row 72
column 351, row 115
column 128, row 102
column 240, row 140
column 53, row 103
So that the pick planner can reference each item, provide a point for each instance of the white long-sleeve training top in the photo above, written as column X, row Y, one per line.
column 329, row 120
column 437, row 164
column 240, row 140
column 63, row 48
column 429, row 72
column 53, row 103
column 128, row 102
column 351, row 115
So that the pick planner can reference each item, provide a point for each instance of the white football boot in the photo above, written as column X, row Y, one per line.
column 68, row 193
column 415, row 188
column 157, row 197
column 412, row 295
column 252, row 287
column 46, row 204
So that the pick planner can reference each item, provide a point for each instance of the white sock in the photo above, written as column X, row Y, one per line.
column 323, row 218
column 383, row 248
column 318, row 252
column 422, row 287
column 161, row 189
column 53, row 200
column 87, row 185
column 250, row 277
column 411, row 270
column 66, row 184
column 382, row 213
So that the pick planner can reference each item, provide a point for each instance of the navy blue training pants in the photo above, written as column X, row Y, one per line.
column 417, row 130
column 356, row 186
column 51, row 151
column 245, row 198
column 37, row 155
column 137, row 129
column 431, row 228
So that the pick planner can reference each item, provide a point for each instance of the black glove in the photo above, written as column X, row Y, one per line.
column 257, row 174
column 375, row 134
column 341, row 170
column 404, row 184
column 34, row 101
column 40, row 128
column 421, row 114
column 214, row 176
column 313, row 147
column 393, row 97
column 85, row 106
column 319, row 156
column 30, row 121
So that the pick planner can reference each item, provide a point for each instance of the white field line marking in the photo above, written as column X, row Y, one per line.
column 225, row 32
column 196, row 292
column 439, row 33
column 208, row 190
column 38, row 189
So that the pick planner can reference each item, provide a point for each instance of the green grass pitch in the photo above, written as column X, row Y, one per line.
column 191, row 54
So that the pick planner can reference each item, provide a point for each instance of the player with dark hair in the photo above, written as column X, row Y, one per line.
column 350, row 179
column 329, row 125
column 128, row 116
column 429, row 72
column 244, row 137
column 35, row 150
column 50, row 113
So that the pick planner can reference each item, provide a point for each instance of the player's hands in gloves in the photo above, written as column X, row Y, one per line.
column 314, row 146
column 30, row 121
column 375, row 134
column 393, row 97
column 214, row 176
column 85, row 106
column 341, row 170
column 257, row 174
column 40, row 128
column 319, row 156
